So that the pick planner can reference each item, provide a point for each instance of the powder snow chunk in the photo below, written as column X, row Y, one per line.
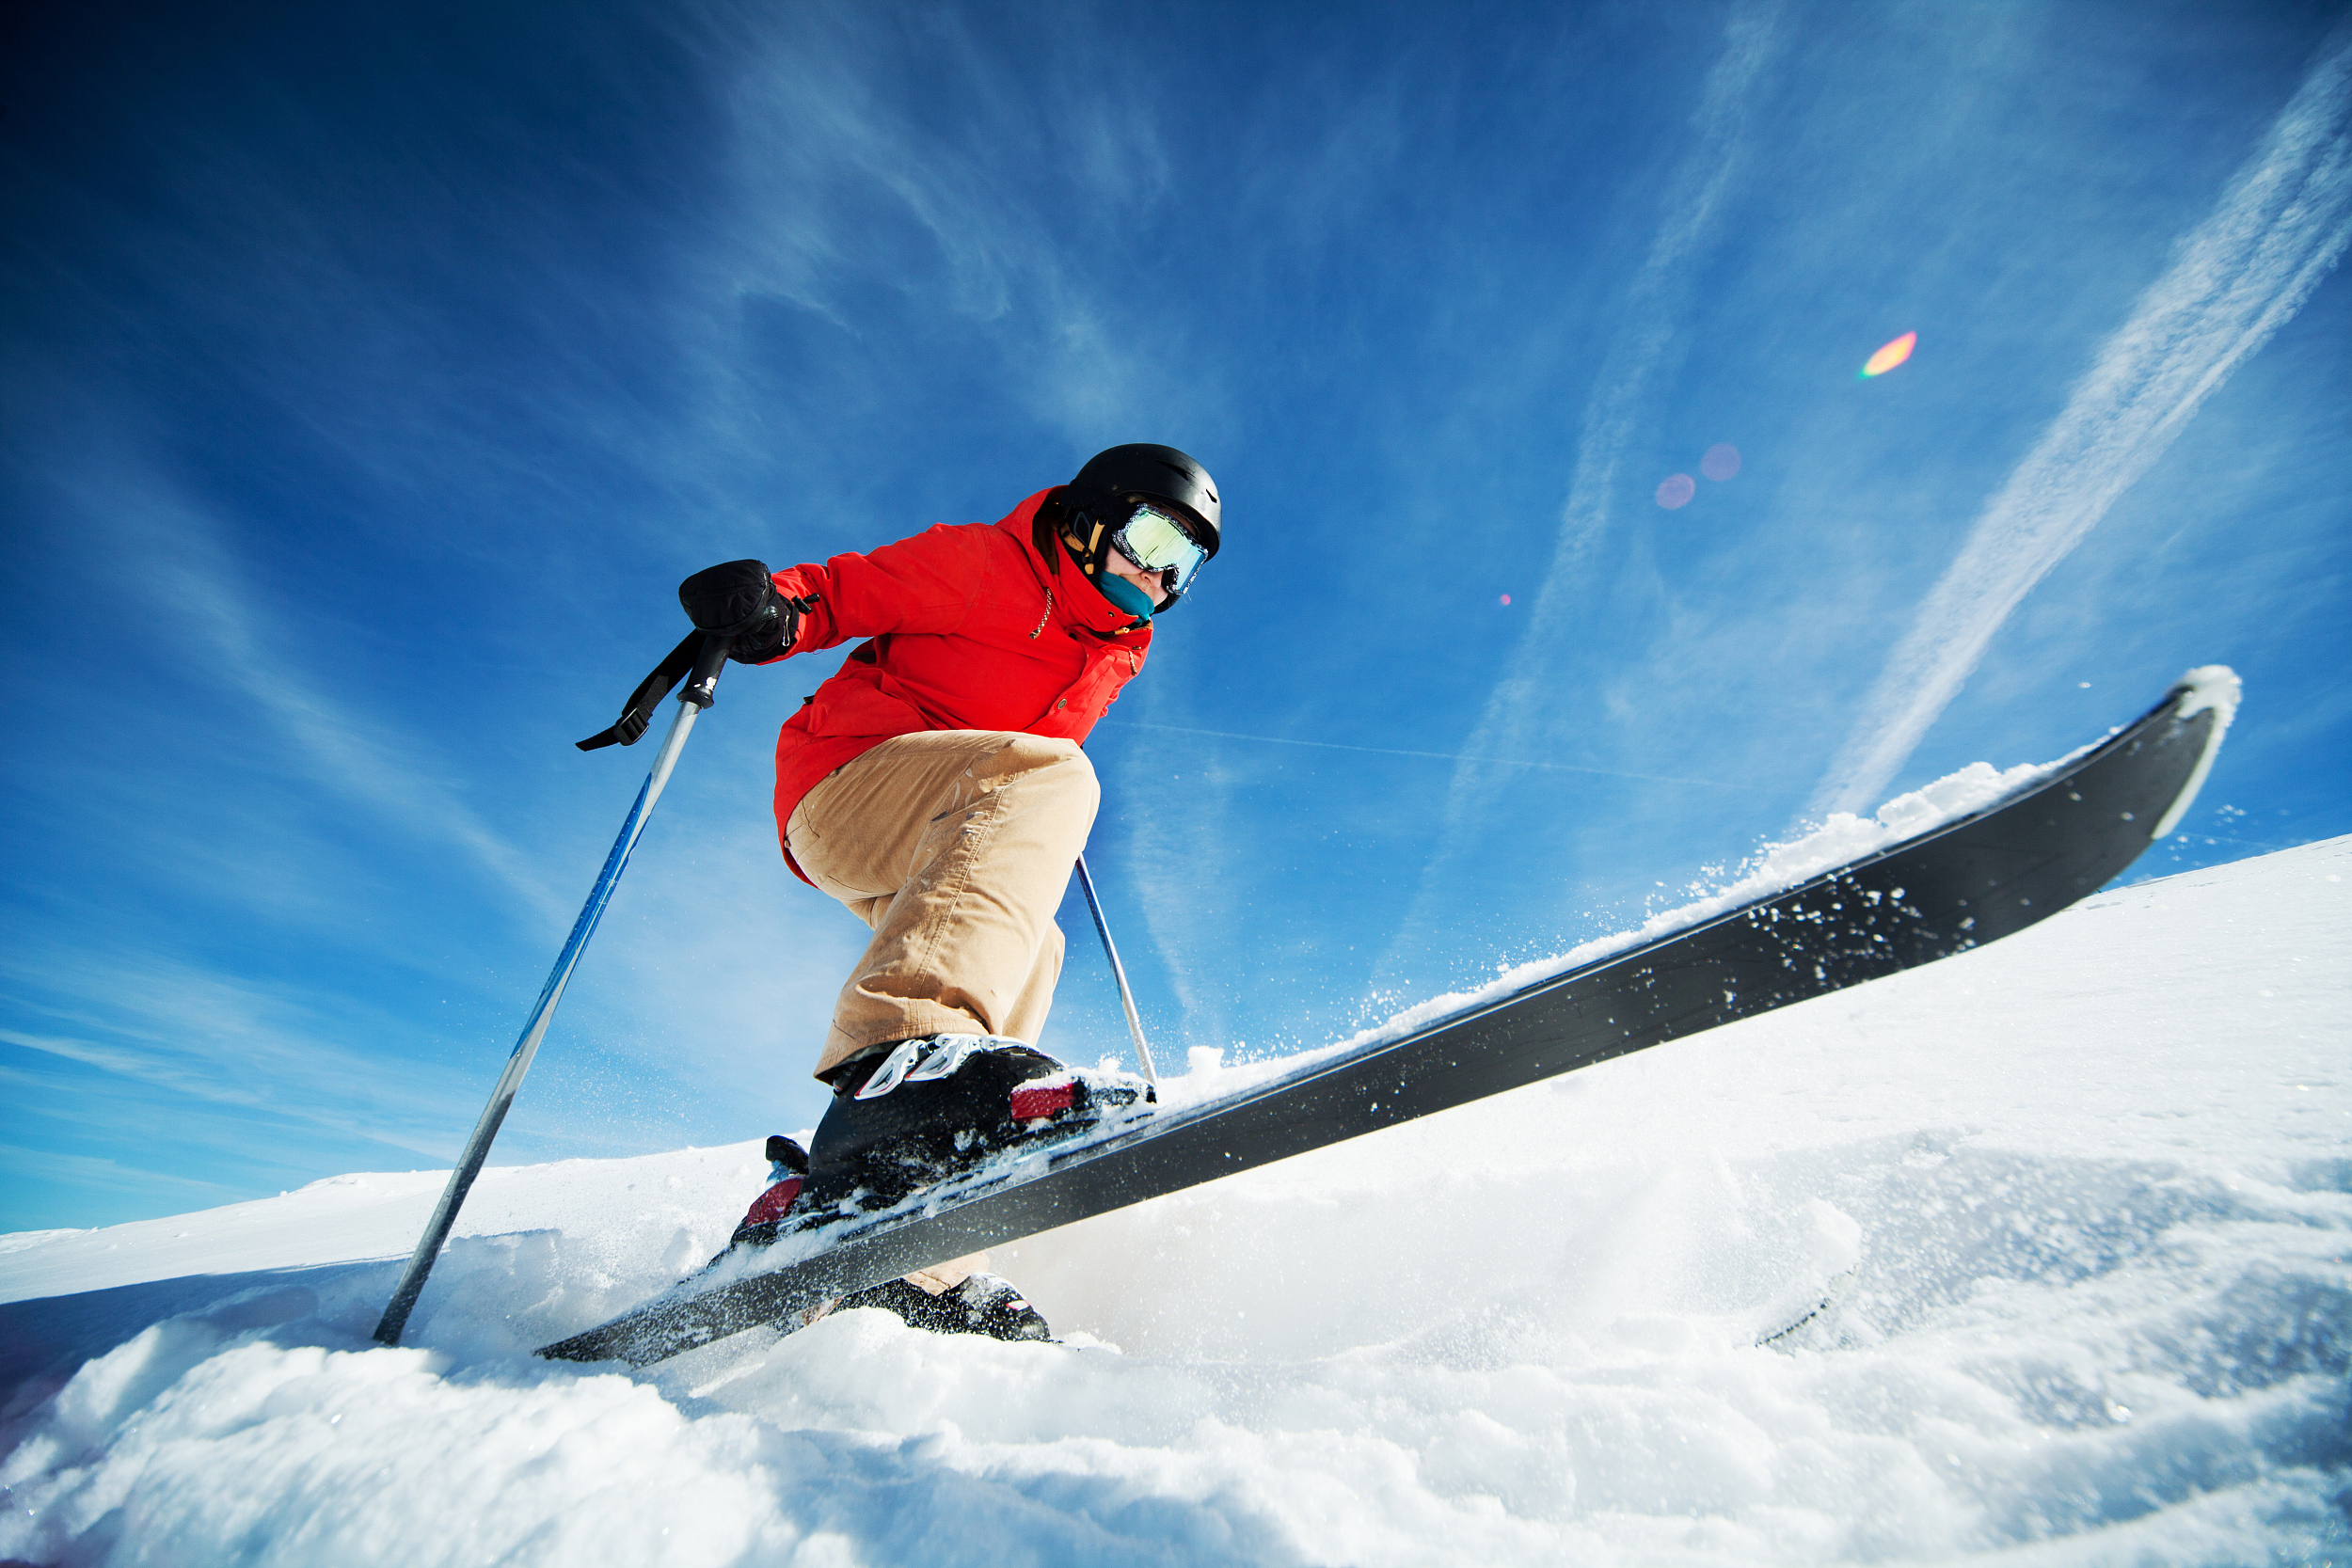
column 2210, row 686
column 1975, row 786
column 2215, row 687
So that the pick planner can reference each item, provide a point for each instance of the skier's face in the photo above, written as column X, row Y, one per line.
column 1154, row 584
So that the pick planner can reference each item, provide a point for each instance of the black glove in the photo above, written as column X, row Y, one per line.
column 739, row 600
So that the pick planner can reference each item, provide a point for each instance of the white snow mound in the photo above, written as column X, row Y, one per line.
column 2087, row 1189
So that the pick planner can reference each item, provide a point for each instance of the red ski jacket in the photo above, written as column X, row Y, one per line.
column 972, row 628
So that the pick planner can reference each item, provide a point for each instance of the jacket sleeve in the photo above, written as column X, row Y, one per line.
column 928, row 583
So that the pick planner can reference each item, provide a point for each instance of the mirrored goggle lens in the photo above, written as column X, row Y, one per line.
column 1157, row 542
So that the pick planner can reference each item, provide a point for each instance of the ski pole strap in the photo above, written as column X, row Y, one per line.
column 631, row 727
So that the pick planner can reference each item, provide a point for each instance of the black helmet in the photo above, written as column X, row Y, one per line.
column 1159, row 473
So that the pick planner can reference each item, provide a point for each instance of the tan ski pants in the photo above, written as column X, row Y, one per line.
column 956, row 847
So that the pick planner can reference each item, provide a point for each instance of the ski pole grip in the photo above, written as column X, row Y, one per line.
column 701, row 687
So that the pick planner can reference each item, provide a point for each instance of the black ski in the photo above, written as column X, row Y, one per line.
column 1955, row 887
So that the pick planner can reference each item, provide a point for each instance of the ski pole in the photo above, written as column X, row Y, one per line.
column 700, row 692
column 1118, row 972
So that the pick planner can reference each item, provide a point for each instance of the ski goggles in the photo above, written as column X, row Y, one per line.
column 1158, row 542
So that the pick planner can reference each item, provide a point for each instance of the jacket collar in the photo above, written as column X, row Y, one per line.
column 1078, row 605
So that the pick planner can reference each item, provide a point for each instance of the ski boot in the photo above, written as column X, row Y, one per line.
column 983, row 1304
column 914, row 1113
column 911, row 1114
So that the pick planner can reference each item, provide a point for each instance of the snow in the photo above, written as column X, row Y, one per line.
column 2093, row 1183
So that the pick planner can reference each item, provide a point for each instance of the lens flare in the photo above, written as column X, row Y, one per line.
column 1891, row 355
column 1677, row 491
column 1720, row 462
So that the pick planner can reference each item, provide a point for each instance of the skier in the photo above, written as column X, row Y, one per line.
column 936, row 787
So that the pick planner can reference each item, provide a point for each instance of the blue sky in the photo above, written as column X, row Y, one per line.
column 373, row 372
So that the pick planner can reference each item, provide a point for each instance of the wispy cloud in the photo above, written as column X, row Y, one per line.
column 241, row 1045
column 1176, row 877
column 137, row 1175
column 1650, row 343
column 2281, row 225
column 851, row 193
column 255, row 656
column 1644, row 351
column 1441, row 756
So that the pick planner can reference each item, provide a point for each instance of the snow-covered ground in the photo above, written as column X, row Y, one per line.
column 2097, row 1179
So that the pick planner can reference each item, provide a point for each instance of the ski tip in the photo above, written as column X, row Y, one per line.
column 2211, row 686
column 2208, row 689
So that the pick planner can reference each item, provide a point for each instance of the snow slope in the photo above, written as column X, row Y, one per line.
column 2095, row 1180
